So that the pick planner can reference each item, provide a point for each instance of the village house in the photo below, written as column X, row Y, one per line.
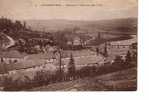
column 75, row 41
column 26, row 68
column 120, row 48
column 12, row 56
column 47, row 56
column 49, row 48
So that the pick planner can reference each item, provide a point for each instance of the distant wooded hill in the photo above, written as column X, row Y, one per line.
column 127, row 25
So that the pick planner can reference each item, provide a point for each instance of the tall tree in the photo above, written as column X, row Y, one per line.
column 97, row 51
column 99, row 36
column 71, row 67
column 18, row 25
column 105, row 50
column 128, row 58
column 61, row 39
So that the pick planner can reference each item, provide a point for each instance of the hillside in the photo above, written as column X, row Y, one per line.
column 124, row 80
column 127, row 25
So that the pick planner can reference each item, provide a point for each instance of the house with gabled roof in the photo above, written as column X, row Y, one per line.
column 12, row 56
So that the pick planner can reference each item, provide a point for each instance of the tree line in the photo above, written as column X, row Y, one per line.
column 9, row 25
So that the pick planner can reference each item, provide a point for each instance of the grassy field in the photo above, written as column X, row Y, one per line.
column 118, row 81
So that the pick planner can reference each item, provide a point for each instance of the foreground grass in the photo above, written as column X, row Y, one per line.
column 125, row 80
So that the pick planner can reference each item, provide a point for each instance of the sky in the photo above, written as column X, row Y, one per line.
column 41, row 9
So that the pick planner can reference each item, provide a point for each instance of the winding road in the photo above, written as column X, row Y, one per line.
column 11, row 41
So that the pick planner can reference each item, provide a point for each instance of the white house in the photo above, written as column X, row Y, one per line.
column 12, row 56
column 75, row 41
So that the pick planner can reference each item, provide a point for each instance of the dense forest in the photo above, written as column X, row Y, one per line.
column 18, row 29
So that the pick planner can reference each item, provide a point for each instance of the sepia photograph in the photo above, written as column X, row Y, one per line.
column 68, row 45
